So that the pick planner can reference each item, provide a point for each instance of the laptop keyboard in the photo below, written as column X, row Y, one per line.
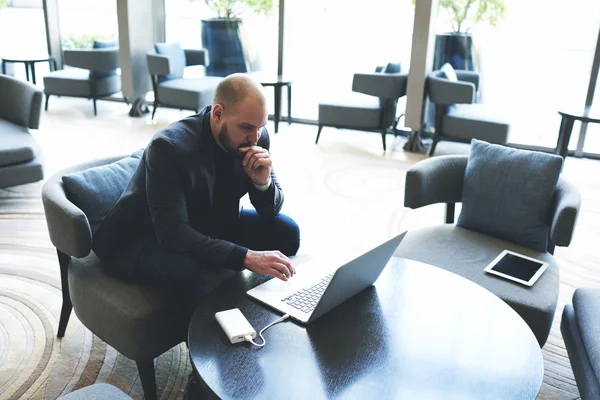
column 306, row 300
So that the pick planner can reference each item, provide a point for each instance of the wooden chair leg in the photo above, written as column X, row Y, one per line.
column 148, row 379
column 67, row 306
column 95, row 109
column 47, row 98
column 433, row 144
column 318, row 133
column 383, row 136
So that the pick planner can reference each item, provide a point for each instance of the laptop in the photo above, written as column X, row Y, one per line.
column 314, row 291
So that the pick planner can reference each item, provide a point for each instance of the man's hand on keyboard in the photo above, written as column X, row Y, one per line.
column 273, row 263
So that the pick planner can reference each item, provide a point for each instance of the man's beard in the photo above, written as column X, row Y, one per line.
column 227, row 143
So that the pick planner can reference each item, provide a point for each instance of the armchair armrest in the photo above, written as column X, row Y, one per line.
column 444, row 91
column 196, row 57
column 21, row 102
column 93, row 59
column 566, row 205
column 158, row 64
column 68, row 226
column 435, row 180
column 383, row 85
column 469, row 76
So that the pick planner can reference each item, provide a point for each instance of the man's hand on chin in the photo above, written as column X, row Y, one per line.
column 257, row 164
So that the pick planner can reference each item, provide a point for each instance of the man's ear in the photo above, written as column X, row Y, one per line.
column 217, row 111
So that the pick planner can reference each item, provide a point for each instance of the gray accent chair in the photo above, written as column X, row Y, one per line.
column 467, row 253
column 375, row 110
column 20, row 155
column 98, row 391
column 183, row 93
column 132, row 317
column 458, row 116
column 580, row 328
column 88, row 78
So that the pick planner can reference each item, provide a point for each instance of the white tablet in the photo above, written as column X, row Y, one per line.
column 517, row 267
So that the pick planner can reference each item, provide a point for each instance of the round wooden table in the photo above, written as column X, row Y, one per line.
column 567, row 120
column 420, row 332
column 29, row 61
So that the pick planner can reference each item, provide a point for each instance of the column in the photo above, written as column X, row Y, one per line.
column 421, row 62
column 141, row 24
column 53, row 31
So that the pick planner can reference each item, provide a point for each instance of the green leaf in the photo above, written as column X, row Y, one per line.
column 235, row 8
column 464, row 14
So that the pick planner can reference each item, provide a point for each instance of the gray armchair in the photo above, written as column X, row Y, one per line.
column 376, row 108
column 94, row 75
column 130, row 316
column 458, row 117
column 20, row 155
column 182, row 93
column 466, row 253
column 580, row 328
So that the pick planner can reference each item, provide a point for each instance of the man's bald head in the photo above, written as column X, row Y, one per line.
column 236, row 88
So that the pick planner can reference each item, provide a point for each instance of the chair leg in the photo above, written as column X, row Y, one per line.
column 148, row 378
column 67, row 306
column 95, row 109
column 154, row 110
column 318, row 133
column 433, row 144
column 126, row 100
column 47, row 98
column 383, row 136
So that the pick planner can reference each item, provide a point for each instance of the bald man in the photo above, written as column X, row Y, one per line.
column 179, row 222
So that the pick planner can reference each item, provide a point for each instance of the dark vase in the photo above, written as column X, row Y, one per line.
column 228, row 47
column 457, row 49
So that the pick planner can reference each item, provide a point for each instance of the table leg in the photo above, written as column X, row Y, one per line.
column 26, row 71
column 32, row 67
column 564, row 136
column 289, row 93
column 277, row 116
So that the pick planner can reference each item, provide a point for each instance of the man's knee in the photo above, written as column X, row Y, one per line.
column 288, row 234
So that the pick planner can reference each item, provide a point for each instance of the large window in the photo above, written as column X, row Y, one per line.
column 23, row 33
column 327, row 41
column 82, row 21
column 536, row 61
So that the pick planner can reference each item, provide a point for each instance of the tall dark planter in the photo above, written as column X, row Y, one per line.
column 457, row 49
column 228, row 47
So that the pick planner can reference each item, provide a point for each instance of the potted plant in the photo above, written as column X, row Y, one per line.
column 225, row 38
column 456, row 47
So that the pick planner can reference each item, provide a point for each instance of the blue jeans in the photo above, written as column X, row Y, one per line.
column 183, row 281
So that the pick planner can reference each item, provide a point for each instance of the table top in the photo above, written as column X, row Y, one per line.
column 271, row 79
column 586, row 114
column 419, row 332
column 26, row 57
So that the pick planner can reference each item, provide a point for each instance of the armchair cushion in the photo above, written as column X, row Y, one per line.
column 96, row 190
column 508, row 193
column 448, row 72
column 466, row 121
column 176, row 59
column 104, row 44
column 17, row 144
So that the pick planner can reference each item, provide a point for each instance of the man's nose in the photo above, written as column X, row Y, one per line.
column 254, row 136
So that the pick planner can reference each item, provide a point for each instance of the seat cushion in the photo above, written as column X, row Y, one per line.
column 176, row 60
column 354, row 111
column 467, row 253
column 586, row 303
column 508, row 193
column 16, row 144
column 466, row 121
column 96, row 190
column 134, row 318
column 98, row 391
column 76, row 82
column 189, row 94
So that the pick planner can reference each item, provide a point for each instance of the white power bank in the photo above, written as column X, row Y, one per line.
column 235, row 325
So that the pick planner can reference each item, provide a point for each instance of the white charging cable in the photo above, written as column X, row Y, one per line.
column 249, row 338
